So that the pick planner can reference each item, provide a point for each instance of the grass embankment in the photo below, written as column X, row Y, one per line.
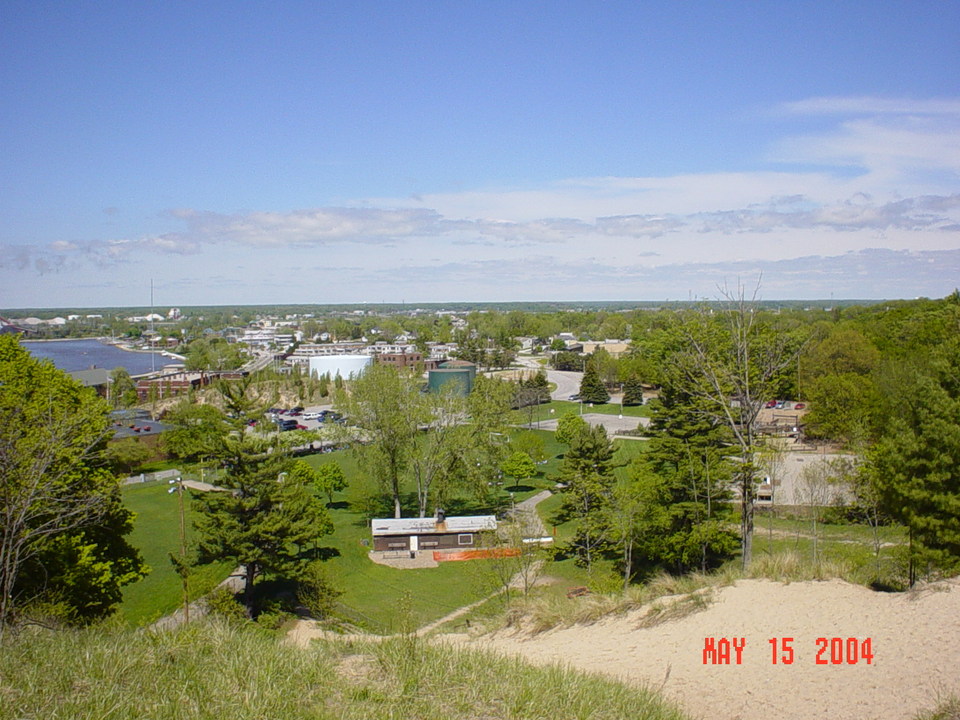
column 156, row 533
column 212, row 670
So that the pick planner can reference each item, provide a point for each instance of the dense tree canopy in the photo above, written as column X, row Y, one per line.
column 62, row 525
column 430, row 441
column 915, row 464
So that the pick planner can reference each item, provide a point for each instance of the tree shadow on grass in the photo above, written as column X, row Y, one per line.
column 322, row 553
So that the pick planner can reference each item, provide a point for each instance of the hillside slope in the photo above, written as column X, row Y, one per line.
column 915, row 641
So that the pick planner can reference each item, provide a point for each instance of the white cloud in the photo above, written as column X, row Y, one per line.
column 806, row 230
column 866, row 105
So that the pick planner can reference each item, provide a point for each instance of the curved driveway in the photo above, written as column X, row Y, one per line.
column 568, row 383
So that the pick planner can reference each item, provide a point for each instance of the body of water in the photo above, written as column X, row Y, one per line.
column 72, row 355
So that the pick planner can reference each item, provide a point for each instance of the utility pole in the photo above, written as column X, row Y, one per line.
column 182, row 564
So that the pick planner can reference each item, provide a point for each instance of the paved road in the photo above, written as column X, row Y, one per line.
column 568, row 383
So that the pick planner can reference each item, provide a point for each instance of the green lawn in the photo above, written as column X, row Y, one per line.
column 542, row 412
column 373, row 594
column 156, row 533
column 381, row 598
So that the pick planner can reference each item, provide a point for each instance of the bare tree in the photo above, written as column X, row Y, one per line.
column 732, row 361
column 816, row 491
column 515, row 560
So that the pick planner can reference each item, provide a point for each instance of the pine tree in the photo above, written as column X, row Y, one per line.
column 591, row 387
column 268, row 513
column 633, row 391
column 587, row 474
column 914, row 466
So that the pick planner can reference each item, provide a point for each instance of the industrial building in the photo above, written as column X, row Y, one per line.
column 346, row 366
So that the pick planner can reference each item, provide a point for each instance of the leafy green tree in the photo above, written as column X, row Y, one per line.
column 519, row 466
column 125, row 456
column 485, row 443
column 605, row 365
column 385, row 404
column 435, row 457
column 633, row 391
column 195, row 430
column 592, row 388
column 267, row 514
column 123, row 390
column 843, row 407
column 332, row 479
column 569, row 426
column 566, row 360
column 213, row 354
column 636, row 517
column 62, row 524
column 845, row 350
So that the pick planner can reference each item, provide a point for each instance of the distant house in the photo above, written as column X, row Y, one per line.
column 616, row 348
column 432, row 533
column 401, row 360
column 97, row 378
column 8, row 328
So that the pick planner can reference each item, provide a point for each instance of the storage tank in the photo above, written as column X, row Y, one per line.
column 459, row 377
column 346, row 366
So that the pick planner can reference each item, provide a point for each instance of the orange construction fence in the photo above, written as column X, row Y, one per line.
column 483, row 554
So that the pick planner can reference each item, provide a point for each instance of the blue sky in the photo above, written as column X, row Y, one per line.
column 443, row 151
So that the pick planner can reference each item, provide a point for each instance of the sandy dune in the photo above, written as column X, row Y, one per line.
column 915, row 638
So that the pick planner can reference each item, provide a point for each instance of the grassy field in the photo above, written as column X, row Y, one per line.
column 156, row 533
column 542, row 412
column 214, row 670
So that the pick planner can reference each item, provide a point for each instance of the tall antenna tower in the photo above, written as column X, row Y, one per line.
column 153, row 355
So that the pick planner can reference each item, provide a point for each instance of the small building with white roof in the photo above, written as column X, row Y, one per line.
column 430, row 533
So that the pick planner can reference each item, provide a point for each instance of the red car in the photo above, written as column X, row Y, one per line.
column 799, row 406
column 771, row 404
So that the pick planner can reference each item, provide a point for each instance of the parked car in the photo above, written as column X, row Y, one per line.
column 771, row 404
column 799, row 406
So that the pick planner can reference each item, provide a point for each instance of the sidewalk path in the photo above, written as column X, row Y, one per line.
column 198, row 608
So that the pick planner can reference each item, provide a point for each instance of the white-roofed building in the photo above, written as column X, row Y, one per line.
column 430, row 533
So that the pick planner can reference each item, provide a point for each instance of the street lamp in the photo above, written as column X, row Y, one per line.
column 182, row 565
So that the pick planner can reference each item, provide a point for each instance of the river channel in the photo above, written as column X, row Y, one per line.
column 72, row 355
